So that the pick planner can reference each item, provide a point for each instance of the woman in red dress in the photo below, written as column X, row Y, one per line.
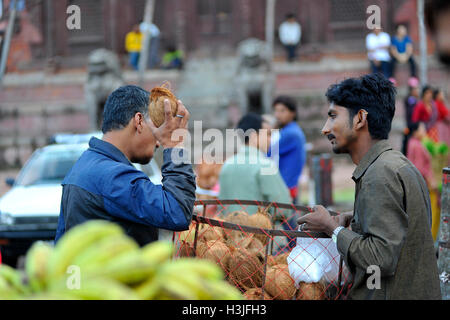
column 426, row 111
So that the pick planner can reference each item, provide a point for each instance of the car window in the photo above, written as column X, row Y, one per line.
column 48, row 166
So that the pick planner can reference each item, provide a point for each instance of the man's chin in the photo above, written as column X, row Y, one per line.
column 142, row 161
column 338, row 150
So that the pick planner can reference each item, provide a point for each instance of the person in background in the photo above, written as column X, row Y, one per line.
column 377, row 44
column 402, row 50
column 173, row 58
column 291, row 144
column 443, row 124
column 250, row 175
column 410, row 102
column 153, row 31
column 419, row 155
column 133, row 45
column 421, row 158
column 289, row 150
column 426, row 111
column 290, row 33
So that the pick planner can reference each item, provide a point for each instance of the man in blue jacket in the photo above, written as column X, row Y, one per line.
column 103, row 183
column 290, row 144
column 291, row 148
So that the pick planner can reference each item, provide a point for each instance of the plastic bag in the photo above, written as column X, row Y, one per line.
column 314, row 260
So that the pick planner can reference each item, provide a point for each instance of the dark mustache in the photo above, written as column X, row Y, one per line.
column 331, row 136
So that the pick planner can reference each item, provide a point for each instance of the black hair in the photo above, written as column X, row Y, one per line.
column 425, row 89
column 436, row 92
column 290, row 15
column 413, row 128
column 122, row 105
column 373, row 93
column 251, row 121
column 288, row 102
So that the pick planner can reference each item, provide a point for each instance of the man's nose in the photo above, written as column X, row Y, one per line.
column 325, row 130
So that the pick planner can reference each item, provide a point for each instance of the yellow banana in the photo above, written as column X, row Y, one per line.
column 157, row 252
column 148, row 289
column 13, row 278
column 7, row 292
column 36, row 263
column 204, row 268
column 171, row 288
column 75, row 241
column 129, row 268
column 195, row 283
column 221, row 290
column 98, row 288
column 104, row 251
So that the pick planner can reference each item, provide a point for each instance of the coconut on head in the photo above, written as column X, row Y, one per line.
column 279, row 284
column 311, row 291
column 156, row 105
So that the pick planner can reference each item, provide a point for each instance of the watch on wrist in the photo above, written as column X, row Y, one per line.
column 335, row 233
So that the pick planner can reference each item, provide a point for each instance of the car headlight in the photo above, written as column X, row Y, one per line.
column 6, row 218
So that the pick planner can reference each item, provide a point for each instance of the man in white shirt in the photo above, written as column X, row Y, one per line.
column 377, row 44
column 290, row 33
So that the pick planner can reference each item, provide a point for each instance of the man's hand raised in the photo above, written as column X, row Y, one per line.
column 168, row 134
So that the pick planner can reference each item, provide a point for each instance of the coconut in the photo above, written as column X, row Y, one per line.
column 186, row 249
column 156, row 106
column 279, row 284
column 208, row 233
column 255, row 294
column 253, row 245
column 261, row 219
column 215, row 251
column 245, row 269
column 311, row 291
column 188, row 235
column 239, row 218
column 281, row 258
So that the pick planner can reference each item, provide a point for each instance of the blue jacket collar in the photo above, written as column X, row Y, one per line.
column 108, row 150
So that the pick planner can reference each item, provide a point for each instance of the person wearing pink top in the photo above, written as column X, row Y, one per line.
column 418, row 154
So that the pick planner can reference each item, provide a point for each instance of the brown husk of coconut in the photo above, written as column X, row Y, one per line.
column 239, row 218
column 261, row 219
column 156, row 105
column 256, row 294
column 253, row 245
column 311, row 291
column 279, row 284
column 215, row 251
column 245, row 269
column 186, row 249
column 208, row 233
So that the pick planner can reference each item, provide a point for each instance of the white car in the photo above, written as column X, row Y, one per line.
column 30, row 210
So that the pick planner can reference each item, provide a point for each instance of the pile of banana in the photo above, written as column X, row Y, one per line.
column 97, row 261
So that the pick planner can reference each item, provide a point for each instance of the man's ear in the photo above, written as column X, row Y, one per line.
column 138, row 121
column 360, row 119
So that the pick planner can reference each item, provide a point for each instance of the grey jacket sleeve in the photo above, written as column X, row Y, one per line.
column 179, row 179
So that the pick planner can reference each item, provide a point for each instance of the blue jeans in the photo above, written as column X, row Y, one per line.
column 384, row 68
column 134, row 60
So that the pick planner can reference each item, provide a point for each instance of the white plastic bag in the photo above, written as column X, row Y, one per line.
column 313, row 260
